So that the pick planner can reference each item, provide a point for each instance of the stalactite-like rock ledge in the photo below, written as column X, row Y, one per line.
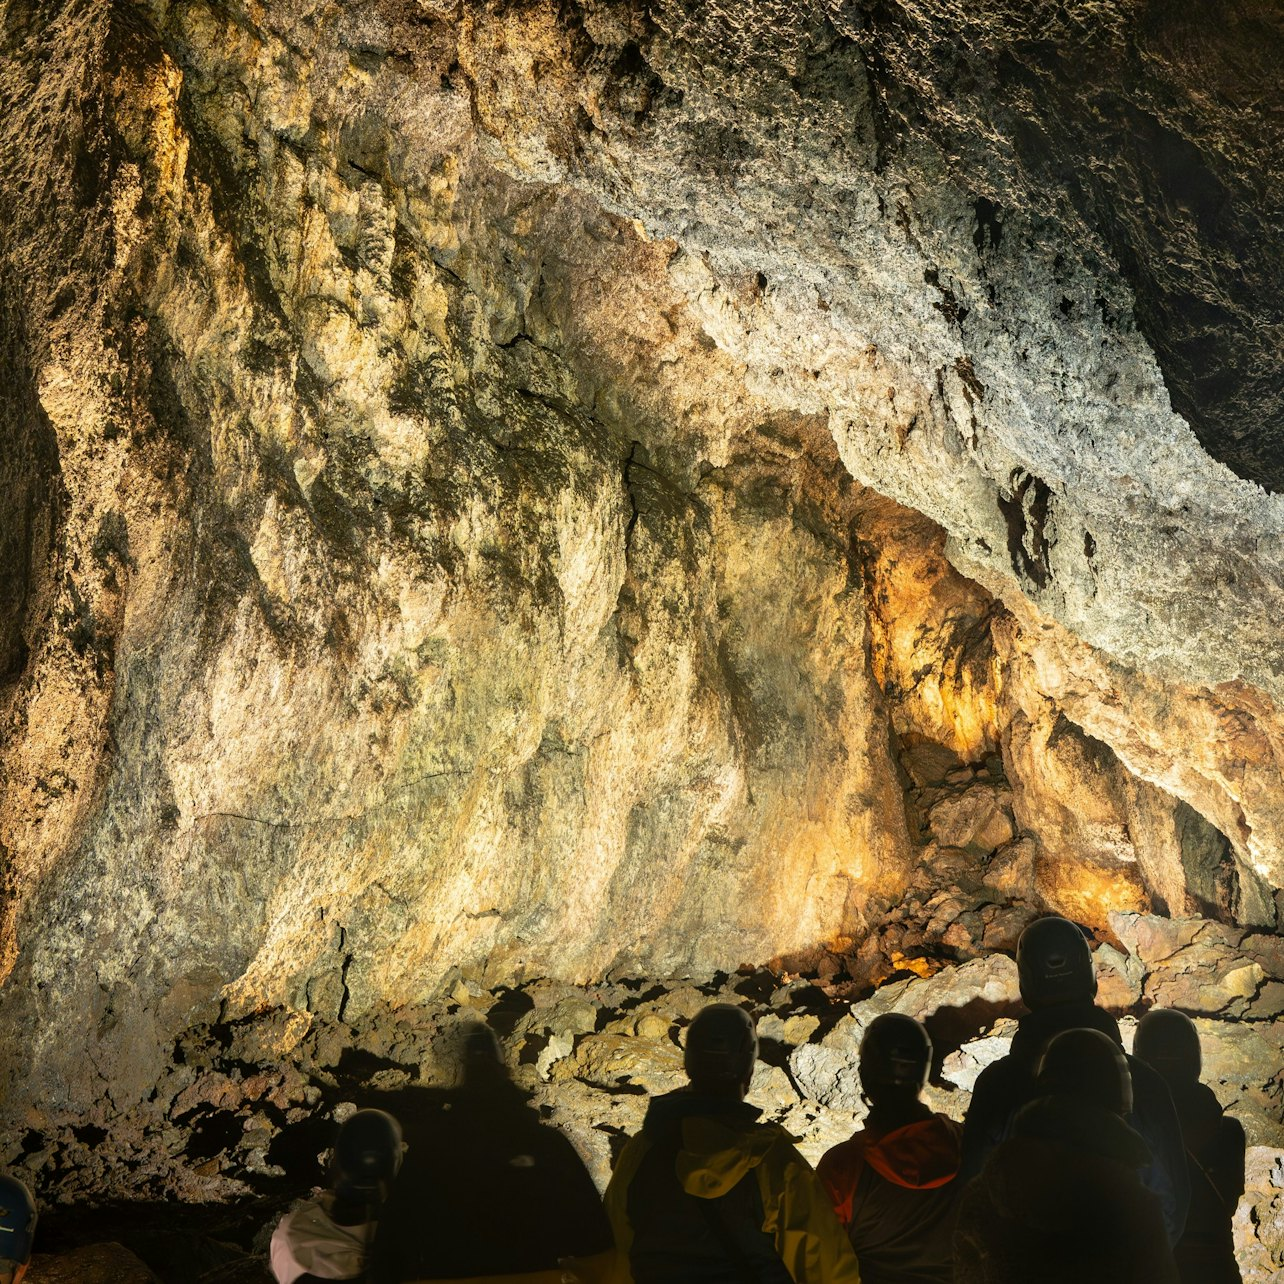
column 561, row 511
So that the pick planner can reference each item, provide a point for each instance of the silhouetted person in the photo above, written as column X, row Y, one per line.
column 705, row 1194
column 893, row 1183
column 1058, row 985
column 328, row 1238
column 488, row 1190
column 1061, row 1200
column 17, row 1229
column 1168, row 1042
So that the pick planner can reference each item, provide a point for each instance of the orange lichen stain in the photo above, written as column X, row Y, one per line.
column 919, row 966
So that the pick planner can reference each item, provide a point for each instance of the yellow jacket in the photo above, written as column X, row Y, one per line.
column 718, row 1144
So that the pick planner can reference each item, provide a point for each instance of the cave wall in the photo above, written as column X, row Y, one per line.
column 414, row 643
column 525, row 490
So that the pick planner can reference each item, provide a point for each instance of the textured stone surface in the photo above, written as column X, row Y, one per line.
column 94, row 1264
column 257, row 1118
column 1149, row 132
column 584, row 491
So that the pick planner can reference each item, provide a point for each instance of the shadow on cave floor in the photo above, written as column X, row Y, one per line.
column 181, row 1243
column 226, row 1243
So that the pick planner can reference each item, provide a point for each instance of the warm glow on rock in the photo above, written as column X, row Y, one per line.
column 535, row 511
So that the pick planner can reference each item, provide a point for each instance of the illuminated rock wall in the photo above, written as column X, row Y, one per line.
column 468, row 471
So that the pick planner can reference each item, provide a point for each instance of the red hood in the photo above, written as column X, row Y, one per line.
column 920, row 1156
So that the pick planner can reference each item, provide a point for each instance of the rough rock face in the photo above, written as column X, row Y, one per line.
column 586, row 491
column 1149, row 132
column 93, row 1264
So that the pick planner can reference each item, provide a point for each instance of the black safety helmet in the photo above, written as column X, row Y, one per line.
column 721, row 1045
column 1086, row 1064
column 895, row 1051
column 17, row 1221
column 367, row 1155
column 1054, row 964
column 1168, row 1042
column 481, row 1057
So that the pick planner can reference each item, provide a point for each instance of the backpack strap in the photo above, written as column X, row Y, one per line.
column 1228, row 1204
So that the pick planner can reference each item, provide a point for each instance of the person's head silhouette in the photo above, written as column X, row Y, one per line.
column 1168, row 1042
column 1089, row 1066
column 720, row 1051
column 367, row 1157
column 1054, row 964
column 895, row 1058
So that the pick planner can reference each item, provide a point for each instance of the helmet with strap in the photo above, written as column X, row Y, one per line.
column 1054, row 964
column 367, row 1156
column 17, row 1221
column 895, row 1051
column 721, row 1046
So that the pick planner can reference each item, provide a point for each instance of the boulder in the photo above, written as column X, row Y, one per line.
column 1154, row 938
column 793, row 1030
column 620, row 1064
column 1011, row 869
column 771, row 1089
column 1119, row 978
column 978, row 819
column 827, row 1075
column 988, row 982
column 1206, row 979
column 1242, row 1065
column 1259, row 1220
column 963, row 1066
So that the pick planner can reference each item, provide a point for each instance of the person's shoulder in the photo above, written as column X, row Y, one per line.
column 553, row 1142
column 844, row 1155
column 630, row 1153
column 997, row 1075
column 773, row 1140
column 951, row 1126
column 307, row 1214
column 840, row 1166
column 853, row 1145
column 1147, row 1079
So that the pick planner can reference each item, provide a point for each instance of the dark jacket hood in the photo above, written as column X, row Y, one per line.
column 1200, row 1113
column 1078, row 1125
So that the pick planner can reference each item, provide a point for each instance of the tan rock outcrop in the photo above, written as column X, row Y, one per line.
column 506, row 492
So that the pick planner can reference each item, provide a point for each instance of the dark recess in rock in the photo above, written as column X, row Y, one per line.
column 296, row 1149
column 213, row 1134
column 91, row 1135
column 29, row 485
column 1026, row 512
column 1221, row 887
column 507, row 1010
column 989, row 225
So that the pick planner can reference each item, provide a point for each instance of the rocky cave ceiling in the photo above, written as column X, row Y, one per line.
column 528, row 489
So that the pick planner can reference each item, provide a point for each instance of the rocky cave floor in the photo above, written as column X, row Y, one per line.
column 248, row 1105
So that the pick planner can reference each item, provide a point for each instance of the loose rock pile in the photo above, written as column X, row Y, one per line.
column 247, row 1108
